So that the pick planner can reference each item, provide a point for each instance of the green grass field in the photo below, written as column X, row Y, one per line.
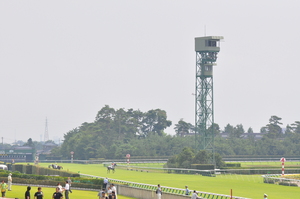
column 243, row 164
column 19, row 192
column 250, row 186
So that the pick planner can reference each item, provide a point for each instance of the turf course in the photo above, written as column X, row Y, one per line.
column 250, row 186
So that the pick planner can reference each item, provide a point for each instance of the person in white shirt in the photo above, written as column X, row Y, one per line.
column 109, row 191
column 60, row 189
column 158, row 191
column 9, row 182
column 67, row 189
column 70, row 182
column 194, row 195
column 113, row 188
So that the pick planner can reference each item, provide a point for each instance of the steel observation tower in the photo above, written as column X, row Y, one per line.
column 207, row 49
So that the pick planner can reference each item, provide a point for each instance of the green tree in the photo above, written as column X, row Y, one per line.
column 155, row 121
column 238, row 131
column 296, row 127
column 229, row 129
column 29, row 143
column 251, row 135
column 106, row 115
column 214, row 129
column 273, row 129
column 182, row 128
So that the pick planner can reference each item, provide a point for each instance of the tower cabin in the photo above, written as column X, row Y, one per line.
column 208, row 48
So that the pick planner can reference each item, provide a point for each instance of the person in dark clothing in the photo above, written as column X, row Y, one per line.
column 57, row 194
column 39, row 194
column 113, row 195
column 27, row 193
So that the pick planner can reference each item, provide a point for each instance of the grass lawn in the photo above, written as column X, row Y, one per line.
column 19, row 192
column 250, row 186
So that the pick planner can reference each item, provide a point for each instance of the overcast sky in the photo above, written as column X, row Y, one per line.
column 65, row 60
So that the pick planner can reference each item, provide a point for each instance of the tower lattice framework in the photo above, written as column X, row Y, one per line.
column 207, row 49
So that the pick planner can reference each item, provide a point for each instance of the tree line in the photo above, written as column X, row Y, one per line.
column 117, row 132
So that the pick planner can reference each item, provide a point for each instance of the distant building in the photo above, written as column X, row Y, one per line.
column 44, row 154
column 17, row 154
column 256, row 136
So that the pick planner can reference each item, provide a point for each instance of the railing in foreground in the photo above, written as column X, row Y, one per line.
column 172, row 190
column 280, row 180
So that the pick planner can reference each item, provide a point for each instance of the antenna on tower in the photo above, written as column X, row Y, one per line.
column 46, row 136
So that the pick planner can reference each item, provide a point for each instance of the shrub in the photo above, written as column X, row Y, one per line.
column 288, row 184
column 233, row 165
column 203, row 166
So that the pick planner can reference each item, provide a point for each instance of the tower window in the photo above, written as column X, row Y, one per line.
column 211, row 43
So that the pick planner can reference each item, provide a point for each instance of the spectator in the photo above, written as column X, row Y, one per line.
column 113, row 189
column 27, row 193
column 102, row 195
column 109, row 191
column 70, row 182
column 113, row 195
column 67, row 189
column 194, row 195
column 3, row 188
column 105, row 182
column 9, row 182
column 39, row 194
column 158, row 191
column 187, row 191
column 59, row 187
column 57, row 194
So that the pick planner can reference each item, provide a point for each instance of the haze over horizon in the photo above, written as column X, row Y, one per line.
column 65, row 60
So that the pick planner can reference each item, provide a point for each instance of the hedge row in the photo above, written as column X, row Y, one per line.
column 233, row 165
column 203, row 166
column 279, row 182
column 50, row 180
column 35, row 169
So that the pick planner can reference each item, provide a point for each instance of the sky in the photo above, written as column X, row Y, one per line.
column 65, row 60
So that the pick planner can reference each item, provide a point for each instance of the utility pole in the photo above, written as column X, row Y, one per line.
column 46, row 136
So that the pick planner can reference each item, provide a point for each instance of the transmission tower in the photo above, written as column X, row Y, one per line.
column 206, row 49
column 46, row 135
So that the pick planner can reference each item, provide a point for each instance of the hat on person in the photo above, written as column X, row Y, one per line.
column 265, row 195
column 9, row 174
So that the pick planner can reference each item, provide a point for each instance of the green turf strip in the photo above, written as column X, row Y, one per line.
column 249, row 186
